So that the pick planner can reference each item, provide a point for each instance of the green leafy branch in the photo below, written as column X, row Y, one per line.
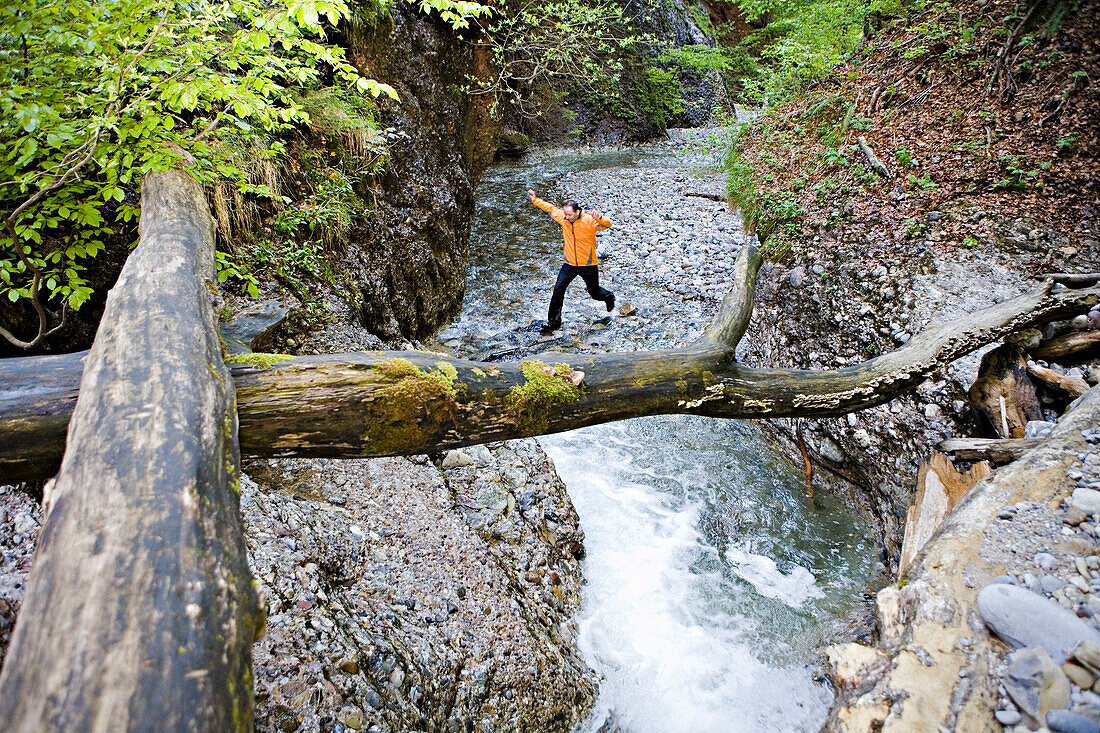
column 94, row 95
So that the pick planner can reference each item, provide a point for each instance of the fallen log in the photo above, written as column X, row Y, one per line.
column 876, row 165
column 1075, row 278
column 994, row 450
column 1063, row 384
column 140, row 612
column 1068, row 349
column 401, row 403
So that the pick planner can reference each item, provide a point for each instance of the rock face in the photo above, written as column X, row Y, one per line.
column 943, row 660
column 413, row 597
column 408, row 259
column 844, row 312
column 680, row 24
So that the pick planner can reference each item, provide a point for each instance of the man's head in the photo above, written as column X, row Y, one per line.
column 572, row 210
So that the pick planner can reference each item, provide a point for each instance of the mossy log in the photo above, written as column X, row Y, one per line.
column 398, row 403
column 139, row 613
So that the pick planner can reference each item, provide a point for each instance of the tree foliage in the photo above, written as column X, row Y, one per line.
column 579, row 47
column 801, row 40
column 95, row 95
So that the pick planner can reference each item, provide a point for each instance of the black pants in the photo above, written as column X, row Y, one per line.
column 591, row 276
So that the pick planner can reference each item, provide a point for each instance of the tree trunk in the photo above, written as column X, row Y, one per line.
column 401, row 403
column 1003, row 393
column 140, row 612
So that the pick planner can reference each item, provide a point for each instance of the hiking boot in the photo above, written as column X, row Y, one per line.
column 551, row 326
column 610, row 303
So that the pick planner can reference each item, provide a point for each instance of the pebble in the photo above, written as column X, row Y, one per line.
column 1034, row 682
column 1008, row 717
column 1087, row 500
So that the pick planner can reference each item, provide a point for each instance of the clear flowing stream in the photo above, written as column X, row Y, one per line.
column 710, row 583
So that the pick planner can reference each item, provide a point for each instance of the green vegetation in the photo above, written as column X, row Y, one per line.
column 96, row 95
column 542, row 389
column 409, row 379
column 802, row 41
column 548, row 52
column 258, row 359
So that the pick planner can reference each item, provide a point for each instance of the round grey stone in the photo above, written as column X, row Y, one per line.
column 1087, row 500
column 1050, row 583
column 1022, row 618
column 1063, row 721
column 1045, row 560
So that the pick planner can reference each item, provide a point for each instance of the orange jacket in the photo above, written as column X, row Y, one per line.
column 580, row 236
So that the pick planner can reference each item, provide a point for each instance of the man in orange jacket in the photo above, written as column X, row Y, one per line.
column 579, row 231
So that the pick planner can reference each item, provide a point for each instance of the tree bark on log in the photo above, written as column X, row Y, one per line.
column 140, row 612
column 401, row 403
column 1069, row 349
column 1003, row 394
column 994, row 450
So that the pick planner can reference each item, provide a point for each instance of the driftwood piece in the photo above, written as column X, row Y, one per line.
column 720, row 198
column 402, row 403
column 877, row 165
column 1068, row 349
column 994, row 450
column 140, row 612
column 1003, row 394
column 1063, row 384
column 1075, row 278
column 939, row 488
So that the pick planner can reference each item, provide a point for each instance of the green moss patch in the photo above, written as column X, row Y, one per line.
column 412, row 399
column 258, row 359
column 542, row 389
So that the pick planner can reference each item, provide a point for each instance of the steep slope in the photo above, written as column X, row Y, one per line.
column 985, row 118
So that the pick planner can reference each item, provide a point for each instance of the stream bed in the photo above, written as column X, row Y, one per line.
column 711, row 583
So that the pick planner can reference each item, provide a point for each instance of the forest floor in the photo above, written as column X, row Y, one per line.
column 964, row 121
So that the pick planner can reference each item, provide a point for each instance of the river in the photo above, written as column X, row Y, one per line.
column 711, row 584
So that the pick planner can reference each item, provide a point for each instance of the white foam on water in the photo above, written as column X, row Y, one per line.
column 793, row 588
column 655, row 625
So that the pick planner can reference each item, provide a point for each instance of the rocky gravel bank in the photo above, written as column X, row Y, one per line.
column 20, row 521
column 409, row 595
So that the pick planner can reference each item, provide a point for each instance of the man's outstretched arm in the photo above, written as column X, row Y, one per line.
column 602, row 222
column 554, row 211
